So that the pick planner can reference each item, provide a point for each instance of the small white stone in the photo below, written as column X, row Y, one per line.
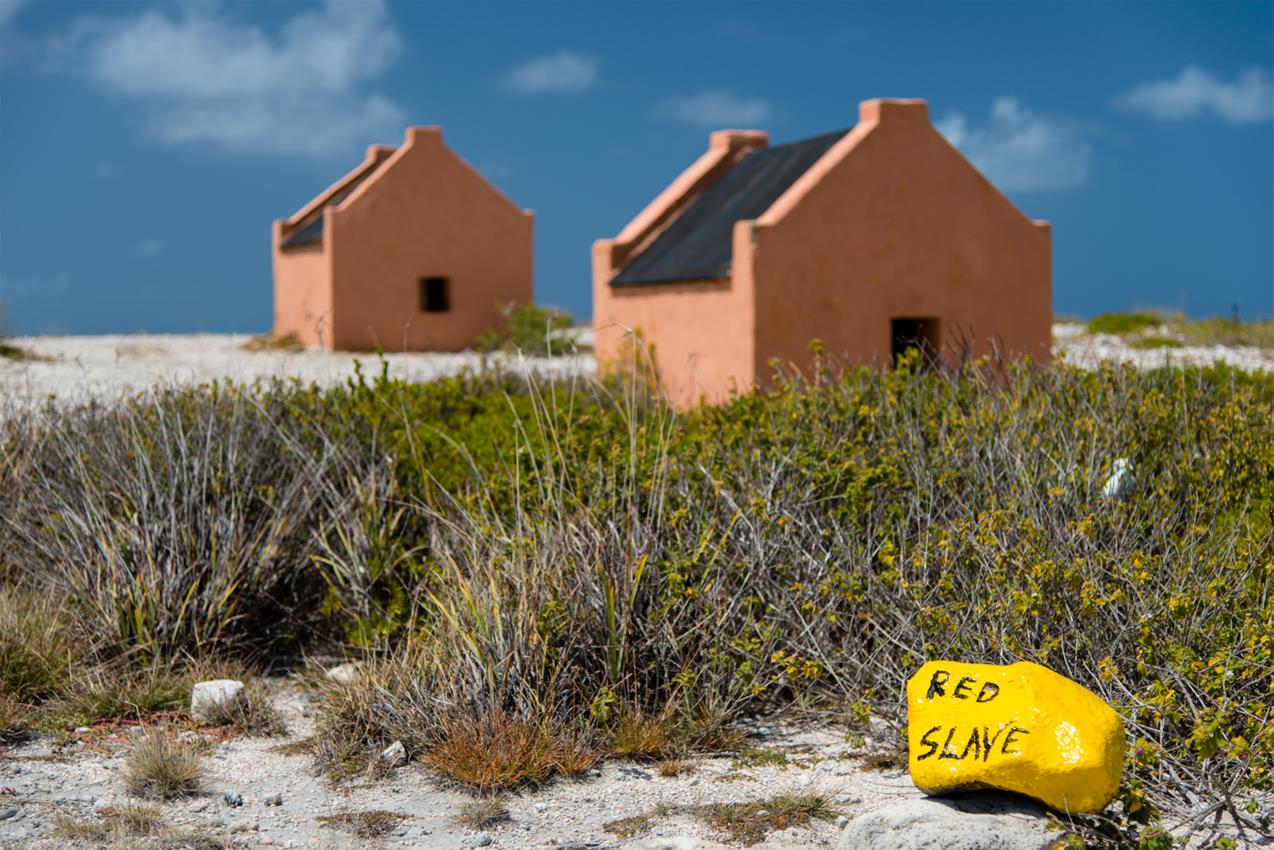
column 208, row 699
column 395, row 754
column 344, row 674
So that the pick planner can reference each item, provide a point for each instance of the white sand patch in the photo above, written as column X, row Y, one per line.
column 105, row 367
column 570, row 813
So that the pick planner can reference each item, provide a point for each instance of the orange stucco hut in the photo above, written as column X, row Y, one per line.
column 872, row 240
column 412, row 250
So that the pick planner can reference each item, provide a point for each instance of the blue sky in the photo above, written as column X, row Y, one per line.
column 146, row 147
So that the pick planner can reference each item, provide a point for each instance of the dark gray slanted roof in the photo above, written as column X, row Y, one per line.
column 310, row 231
column 697, row 246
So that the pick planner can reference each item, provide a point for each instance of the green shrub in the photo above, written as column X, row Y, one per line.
column 1153, row 342
column 1214, row 330
column 1119, row 324
column 530, row 329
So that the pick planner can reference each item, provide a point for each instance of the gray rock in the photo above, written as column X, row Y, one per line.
column 483, row 840
column 7, row 812
column 395, row 754
column 978, row 821
column 209, row 700
column 344, row 674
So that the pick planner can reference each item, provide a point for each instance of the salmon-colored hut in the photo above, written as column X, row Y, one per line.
column 412, row 250
column 872, row 240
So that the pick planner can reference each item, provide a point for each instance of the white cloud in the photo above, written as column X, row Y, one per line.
column 146, row 248
column 1250, row 98
column 563, row 71
column 9, row 8
column 1019, row 150
column 206, row 78
column 717, row 109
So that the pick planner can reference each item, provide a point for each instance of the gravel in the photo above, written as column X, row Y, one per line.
column 282, row 797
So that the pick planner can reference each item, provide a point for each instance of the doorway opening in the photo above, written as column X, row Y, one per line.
column 921, row 333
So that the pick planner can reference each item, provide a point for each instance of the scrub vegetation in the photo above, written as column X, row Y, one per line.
column 532, row 330
column 544, row 575
column 1163, row 329
column 744, row 824
column 10, row 350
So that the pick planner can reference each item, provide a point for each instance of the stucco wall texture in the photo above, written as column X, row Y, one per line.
column 423, row 212
column 891, row 223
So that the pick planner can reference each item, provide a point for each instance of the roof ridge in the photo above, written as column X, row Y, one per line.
column 698, row 244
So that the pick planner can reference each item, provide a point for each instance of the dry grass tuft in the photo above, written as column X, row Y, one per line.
column 255, row 715
column 483, row 812
column 575, row 753
column 350, row 732
column 638, row 735
column 499, row 751
column 37, row 646
column 113, row 824
column 133, row 818
column 13, row 715
column 738, row 823
column 674, row 767
column 760, row 757
column 374, row 823
column 895, row 759
column 631, row 827
column 115, row 691
column 53, row 676
column 296, row 747
column 162, row 768
column 270, row 342
column 709, row 732
column 750, row 823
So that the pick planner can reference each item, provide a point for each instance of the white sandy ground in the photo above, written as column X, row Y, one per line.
column 1073, row 343
column 561, row 814
column 105, row 367
column 39, row 783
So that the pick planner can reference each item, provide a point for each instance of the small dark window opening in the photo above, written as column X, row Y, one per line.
column 918, row 333
column 435, row 294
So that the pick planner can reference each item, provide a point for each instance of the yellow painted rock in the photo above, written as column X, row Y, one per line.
column 1018, row 728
